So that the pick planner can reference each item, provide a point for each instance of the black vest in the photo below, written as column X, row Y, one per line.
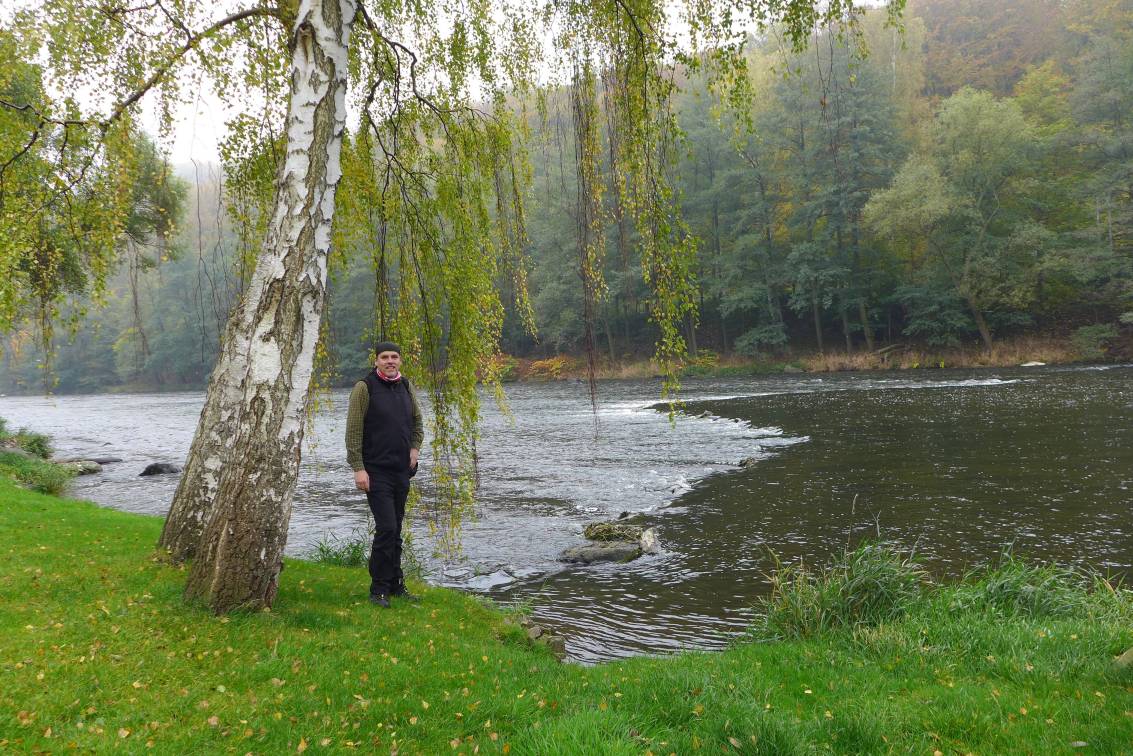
column 387, row 431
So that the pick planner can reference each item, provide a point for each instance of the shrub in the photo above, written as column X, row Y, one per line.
column 36, row 474
column 550, row 368
column 867, row 586
column 504, row 368
column 33, row 443
column 1090, row 340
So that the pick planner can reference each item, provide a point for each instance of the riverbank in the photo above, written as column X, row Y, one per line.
column 1048, row 350
column 97, row 651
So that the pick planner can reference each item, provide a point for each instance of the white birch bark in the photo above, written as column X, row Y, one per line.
column 196, row 490
column 248, row 455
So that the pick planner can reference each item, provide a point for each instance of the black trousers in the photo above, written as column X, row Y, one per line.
column 387, row 495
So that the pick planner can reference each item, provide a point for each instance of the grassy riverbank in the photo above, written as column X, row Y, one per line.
column 98, row 652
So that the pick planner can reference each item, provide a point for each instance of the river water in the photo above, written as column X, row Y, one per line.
column 954, row 464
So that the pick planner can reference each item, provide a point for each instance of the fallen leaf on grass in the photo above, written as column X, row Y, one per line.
column 302, row 745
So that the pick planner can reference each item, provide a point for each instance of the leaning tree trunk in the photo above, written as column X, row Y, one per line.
column 240, row 553
column 196, row 490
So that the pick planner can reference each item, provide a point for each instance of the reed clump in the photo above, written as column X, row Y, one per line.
column 869, row 585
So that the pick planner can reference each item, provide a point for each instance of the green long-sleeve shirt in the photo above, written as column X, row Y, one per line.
column 356, row 416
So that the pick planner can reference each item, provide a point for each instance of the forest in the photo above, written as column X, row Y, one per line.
column 962, row 180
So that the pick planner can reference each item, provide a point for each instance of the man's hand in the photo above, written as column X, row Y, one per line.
column 362, row 480
column 413, row 454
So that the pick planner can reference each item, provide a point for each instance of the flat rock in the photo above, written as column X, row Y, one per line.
column 160, row 468
column 610, row 551
column 81, row 466
column 487, row 582
column 457, row 573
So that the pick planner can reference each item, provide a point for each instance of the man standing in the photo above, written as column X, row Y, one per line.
column 384, row 432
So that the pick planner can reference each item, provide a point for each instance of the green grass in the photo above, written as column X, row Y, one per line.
column 97, row 652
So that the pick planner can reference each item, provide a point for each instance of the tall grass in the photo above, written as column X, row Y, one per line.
column 875, row 584
column 867, row 586
column 35, row 473
column 350, row 551
column 1014, row 588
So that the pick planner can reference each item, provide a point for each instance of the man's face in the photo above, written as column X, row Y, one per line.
column 389, row 363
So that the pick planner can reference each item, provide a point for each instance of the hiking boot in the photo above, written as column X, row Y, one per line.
column 402, row 592
column 380, row 599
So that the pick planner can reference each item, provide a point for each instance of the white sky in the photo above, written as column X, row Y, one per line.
column 196, row 133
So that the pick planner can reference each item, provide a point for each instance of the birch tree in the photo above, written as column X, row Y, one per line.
column 435, row 166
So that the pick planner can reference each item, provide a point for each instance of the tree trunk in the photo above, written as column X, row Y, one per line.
column 981, row 324
column 846, row 329
column 863, row 315
column 240, row 553
column 817, row 322
column 208, row 453
column 691, row 326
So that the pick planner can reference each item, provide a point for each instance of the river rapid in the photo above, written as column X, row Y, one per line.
column 954, row 464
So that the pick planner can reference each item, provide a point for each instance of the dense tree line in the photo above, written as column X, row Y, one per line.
column 968, row 178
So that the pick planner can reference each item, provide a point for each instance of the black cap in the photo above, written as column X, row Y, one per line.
column 386, row 346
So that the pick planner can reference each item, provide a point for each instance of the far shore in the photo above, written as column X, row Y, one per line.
column 1027, row 350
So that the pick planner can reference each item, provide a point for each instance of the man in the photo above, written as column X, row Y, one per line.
column 384, row 432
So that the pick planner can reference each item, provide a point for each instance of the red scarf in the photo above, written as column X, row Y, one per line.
column 382, row 375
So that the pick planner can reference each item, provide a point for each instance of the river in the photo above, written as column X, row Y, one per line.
column 954, row 464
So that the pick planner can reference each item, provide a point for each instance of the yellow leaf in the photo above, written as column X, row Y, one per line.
column 302, row 745
column 413, row 720
column 213, row 721
column 123, row 733
column 735, row 742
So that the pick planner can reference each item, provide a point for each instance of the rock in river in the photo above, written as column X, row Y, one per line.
column 81, row 466
column 611, row 531
column 610, row 551
column 160, row 468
